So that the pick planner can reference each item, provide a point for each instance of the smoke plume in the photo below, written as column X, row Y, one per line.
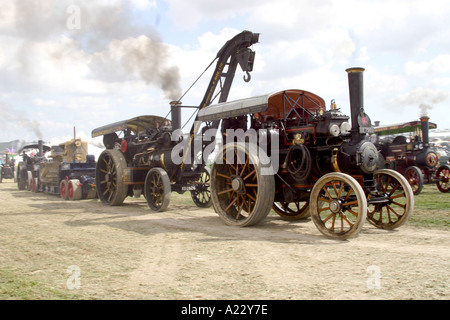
column 14, row 119
column 118, row 47
column 138, row 58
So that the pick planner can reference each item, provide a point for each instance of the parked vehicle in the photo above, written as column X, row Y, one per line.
column 406, row 148
column 323, row 164
column 7, row 167
column 68, row 171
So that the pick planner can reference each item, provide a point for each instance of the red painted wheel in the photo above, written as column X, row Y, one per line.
column 443, row 177
column 415, row 179
column 74, row 189
column 63, row 190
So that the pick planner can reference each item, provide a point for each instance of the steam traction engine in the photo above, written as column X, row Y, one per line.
column 7, row 167
column 414, row 159
column 27, row 169
column 148, row 155
column 69, row 172
column 320, row 166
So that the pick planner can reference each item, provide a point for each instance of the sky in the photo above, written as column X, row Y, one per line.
column 72, row 65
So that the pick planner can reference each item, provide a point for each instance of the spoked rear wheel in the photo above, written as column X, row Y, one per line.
column 292, row 210
column 338, row 205
column 242, row 184
column 399, row 203
column 202, row 195
column 111, row 188
column 157, row 189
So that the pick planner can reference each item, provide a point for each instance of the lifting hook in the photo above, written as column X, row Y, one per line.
column 247, row 77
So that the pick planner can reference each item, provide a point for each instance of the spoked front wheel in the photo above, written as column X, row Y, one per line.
column 415, row 179
column 157, row 189
column 338, row 205
column 398, row 203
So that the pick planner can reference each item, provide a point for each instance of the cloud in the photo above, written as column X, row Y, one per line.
column 42, row 102
column 438, row 65
column 144, row 4
column 421, row 95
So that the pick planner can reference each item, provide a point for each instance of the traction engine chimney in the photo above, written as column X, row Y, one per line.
column 425, row 128
column 176, row 114
column 355, row 84
column 41, row 148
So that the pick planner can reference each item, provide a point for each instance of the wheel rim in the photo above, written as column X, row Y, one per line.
column 399, row 202
column 292, row 210
column 443, row 177
column 241, row 194
column 338, row 206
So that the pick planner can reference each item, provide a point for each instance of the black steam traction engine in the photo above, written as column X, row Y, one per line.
column 140, row 152
column 326, row 168
column 414, row 158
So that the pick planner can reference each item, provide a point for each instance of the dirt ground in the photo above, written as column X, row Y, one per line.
column 128, row 252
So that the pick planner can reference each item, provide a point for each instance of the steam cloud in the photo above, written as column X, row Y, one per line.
column 424, row 109
column 424, row 97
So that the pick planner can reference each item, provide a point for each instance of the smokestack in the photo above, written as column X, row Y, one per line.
column 176, row 114
column 41, row 148
column 425, row 128
column 361, row 123
column 355, row 85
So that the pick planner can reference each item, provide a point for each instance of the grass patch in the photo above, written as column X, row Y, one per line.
column 15, row 286
column 431, row 209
